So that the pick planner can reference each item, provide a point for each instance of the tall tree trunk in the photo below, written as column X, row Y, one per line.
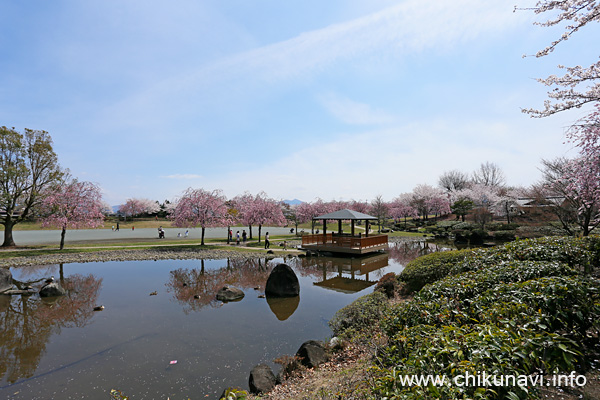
column 62, row 237
column 202, row 241
column 259, row 228
column 8, row 234
column 250, row 229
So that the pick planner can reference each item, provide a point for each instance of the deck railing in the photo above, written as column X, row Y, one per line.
column 330, row 239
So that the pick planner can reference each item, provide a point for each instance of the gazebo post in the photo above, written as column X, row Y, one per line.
column 324, row 231
column 340, row 226
column 352, row 227
column 367, row 226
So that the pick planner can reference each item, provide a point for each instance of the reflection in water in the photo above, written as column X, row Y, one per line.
column 356, row 269
column 283, row 307
column 28, row 322
column 196, row 288
column 149, row 331
column 407, row 250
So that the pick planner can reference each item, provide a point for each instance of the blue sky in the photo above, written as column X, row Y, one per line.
column 300, row 99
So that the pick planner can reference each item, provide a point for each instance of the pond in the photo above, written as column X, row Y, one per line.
column 162, row 333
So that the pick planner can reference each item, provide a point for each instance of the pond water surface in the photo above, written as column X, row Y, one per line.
column 180, row 342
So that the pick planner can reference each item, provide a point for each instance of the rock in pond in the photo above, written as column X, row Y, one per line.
column 52, row 289
column 262, row 379
column 312, row 353
column 282, row 282
column 5, row 279
column 228, row 293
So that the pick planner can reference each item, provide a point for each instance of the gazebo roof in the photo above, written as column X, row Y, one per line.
column 345, row 214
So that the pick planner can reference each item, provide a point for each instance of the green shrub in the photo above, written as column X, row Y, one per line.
column 234, row 394
column 500, row 226
column 359, row 316
column 465, row 225
column 519, row 309
column 429, row 268
column 448, row 224
column 504, row 235
column 388, row 284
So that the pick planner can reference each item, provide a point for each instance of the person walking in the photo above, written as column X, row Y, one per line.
column 117, row 226
column 267, row 243
column 244, row 236
column 237, row 238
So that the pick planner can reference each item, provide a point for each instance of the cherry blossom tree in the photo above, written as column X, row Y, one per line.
column 581, row 177
column 438, row 205
column 199, row 207
column 261, row 210
column 424, row 197
column 506, row 205
column 243, row 205
column 307, row 211
column 571, row 195
column 73, row 204
column 360, row 206
column 134, row 207
column 579, row 85
column 484, row 198
column 400, row 207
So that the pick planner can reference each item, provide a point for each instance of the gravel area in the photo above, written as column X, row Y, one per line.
column 126, row 255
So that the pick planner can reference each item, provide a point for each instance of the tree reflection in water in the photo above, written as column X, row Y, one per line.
column 197, row 288
column 28, row 322
column 405, row 251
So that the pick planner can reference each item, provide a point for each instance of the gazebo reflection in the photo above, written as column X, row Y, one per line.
column 352, row 273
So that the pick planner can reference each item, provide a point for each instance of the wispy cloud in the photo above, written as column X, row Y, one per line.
column 353, row 112
column 412, row 26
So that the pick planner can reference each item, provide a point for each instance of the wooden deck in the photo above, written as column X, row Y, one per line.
column 348, row 244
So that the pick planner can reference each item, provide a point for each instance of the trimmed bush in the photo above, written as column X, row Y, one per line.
column 519, row 309
column 430, row 268
column 505, row 236
column 359, row 316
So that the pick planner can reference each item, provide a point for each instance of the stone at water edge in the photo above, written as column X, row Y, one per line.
column 228, row 293
column 52, row 289
column 312, row 353
column 5, row 279
column 262, row 379
column 282, row 282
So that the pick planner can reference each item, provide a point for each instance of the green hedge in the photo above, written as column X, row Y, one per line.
column 520, row 309
column 359, row 316
column 431, row 267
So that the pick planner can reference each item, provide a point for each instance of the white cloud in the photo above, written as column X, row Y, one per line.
column 393, row 160
column 352, row 112
column 412, row 26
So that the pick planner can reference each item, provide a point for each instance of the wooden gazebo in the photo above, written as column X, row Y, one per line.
column 342, row 242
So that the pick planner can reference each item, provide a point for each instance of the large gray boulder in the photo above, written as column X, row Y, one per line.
column 52, row 289
column 312, row 354
column 282, row 282
column 228, row 293
column 5, row 279
column 262, row 379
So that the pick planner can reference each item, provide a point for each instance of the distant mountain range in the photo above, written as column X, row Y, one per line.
column 294, row 202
